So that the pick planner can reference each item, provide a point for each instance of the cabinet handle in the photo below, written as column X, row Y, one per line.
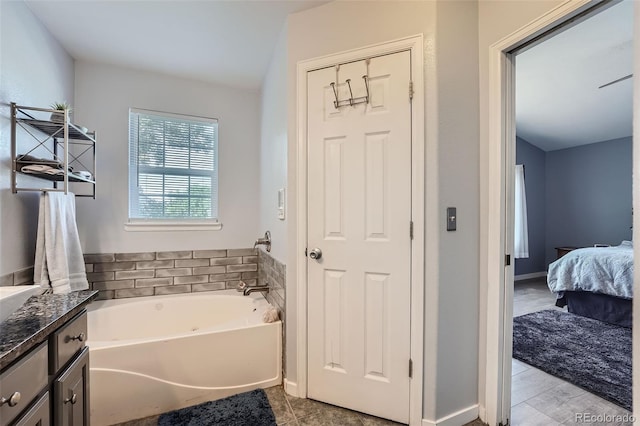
column 13, row 400
column 72, row 400
column 80, row 337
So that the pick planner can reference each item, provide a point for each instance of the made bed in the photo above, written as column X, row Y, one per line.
column 595, row 282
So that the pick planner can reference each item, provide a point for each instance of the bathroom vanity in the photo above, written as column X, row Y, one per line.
column 44, row 363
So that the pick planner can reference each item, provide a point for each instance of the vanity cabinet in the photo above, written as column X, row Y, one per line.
column 39, row 414
column 22, row 383
column 50, row 384
column 71, row 390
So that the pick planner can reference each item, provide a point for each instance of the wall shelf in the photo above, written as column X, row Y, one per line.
column 57, row 151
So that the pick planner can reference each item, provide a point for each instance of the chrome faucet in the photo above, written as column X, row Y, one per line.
column 247, row 291
column 266, row 241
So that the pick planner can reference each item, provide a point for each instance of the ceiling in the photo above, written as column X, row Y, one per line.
column 230, row 42
column 558, row 103
column 227, row 42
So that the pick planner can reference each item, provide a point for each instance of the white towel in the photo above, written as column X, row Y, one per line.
column 59, row 263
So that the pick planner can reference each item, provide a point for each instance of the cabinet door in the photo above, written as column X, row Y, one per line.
column 38, row 415
column 71, row 393
column 21, row 383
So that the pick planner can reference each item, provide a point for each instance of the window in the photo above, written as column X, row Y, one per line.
column 173, row 173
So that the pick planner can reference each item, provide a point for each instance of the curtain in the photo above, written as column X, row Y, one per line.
column 521, row 232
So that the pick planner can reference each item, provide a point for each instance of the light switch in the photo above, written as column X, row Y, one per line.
column 452, row 219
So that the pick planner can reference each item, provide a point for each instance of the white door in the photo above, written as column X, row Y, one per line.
column 359, row 213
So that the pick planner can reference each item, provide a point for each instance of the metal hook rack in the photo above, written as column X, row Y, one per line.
column 351, row 101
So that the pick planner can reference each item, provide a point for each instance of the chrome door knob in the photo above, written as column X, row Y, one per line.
column 315, row 254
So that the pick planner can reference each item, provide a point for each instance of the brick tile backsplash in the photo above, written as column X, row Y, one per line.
column 123, row 257
column 273, row 273
column 208, row 286
column 120, row 275
column 6, row 280
column 174, row 255
column 20, row 277
column 209, row 253
column 192, row 262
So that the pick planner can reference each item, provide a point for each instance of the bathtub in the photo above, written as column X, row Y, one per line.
column 150, row 355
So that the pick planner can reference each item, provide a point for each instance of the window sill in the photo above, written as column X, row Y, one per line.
column 155, row 226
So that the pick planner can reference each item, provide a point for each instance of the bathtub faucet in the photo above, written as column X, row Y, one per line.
column 266, row 241
column 247, row 291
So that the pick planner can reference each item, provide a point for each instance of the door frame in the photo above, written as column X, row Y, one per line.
column 500, row 188
column 413, row 44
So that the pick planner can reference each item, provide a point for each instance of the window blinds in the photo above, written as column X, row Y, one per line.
column 172, row 166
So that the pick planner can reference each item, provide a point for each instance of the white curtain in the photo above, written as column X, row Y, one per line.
column 521, row 232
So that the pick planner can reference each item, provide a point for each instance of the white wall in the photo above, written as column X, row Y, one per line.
column 34, row 71
column 104, row 95
column 273, row 148
column 451, row 264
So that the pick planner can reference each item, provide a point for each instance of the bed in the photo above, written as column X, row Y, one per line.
column 595, row 282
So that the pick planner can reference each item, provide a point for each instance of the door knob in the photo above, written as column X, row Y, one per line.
column 315, row 254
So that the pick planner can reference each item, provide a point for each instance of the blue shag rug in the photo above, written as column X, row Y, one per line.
column 588, row 353
column 245, row 409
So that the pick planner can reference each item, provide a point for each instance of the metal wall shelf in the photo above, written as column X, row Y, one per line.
column 67, row 146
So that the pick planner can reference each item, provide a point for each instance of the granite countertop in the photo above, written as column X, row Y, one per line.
column 36, row 319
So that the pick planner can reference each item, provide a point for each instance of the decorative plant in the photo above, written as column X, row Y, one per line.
column 61, row 106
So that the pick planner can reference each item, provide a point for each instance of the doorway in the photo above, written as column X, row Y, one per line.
column 573, row 155
column 502, row 132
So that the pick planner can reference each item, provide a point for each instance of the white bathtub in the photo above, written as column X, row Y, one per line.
column 149, row 355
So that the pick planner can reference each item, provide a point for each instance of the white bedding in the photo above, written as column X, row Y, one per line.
column 607, row 270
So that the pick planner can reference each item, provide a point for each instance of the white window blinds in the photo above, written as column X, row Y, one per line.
column 173, row 171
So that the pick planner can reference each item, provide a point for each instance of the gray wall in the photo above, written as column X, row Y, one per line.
column 575, row 197
column 588, row 195
column 34, row 71
column 533, row 159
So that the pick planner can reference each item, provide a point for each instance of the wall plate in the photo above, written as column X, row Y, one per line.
column 281, row 204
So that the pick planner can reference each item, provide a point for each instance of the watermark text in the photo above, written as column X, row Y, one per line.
column 604, row 418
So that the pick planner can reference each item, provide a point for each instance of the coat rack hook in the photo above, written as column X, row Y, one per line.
column 350, row 92
column 366, row 85
column 335, row 93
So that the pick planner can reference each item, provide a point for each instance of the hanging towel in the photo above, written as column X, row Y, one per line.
column 59, row 263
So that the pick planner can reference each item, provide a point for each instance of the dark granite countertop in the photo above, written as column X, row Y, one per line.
column 36, row 319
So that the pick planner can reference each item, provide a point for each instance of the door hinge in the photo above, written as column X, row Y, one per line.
column 305, row 252
column 411, row 230
column 410, row 90
column 410, row 368
column 507, row 259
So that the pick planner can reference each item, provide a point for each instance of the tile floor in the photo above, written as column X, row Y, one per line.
column 538, row 398
column 292, row 411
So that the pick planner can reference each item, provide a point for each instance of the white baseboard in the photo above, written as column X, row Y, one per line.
column 530, row 276
column 456, row 419
column 291, row 388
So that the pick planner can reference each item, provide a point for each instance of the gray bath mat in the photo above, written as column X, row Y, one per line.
column 249, row 408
